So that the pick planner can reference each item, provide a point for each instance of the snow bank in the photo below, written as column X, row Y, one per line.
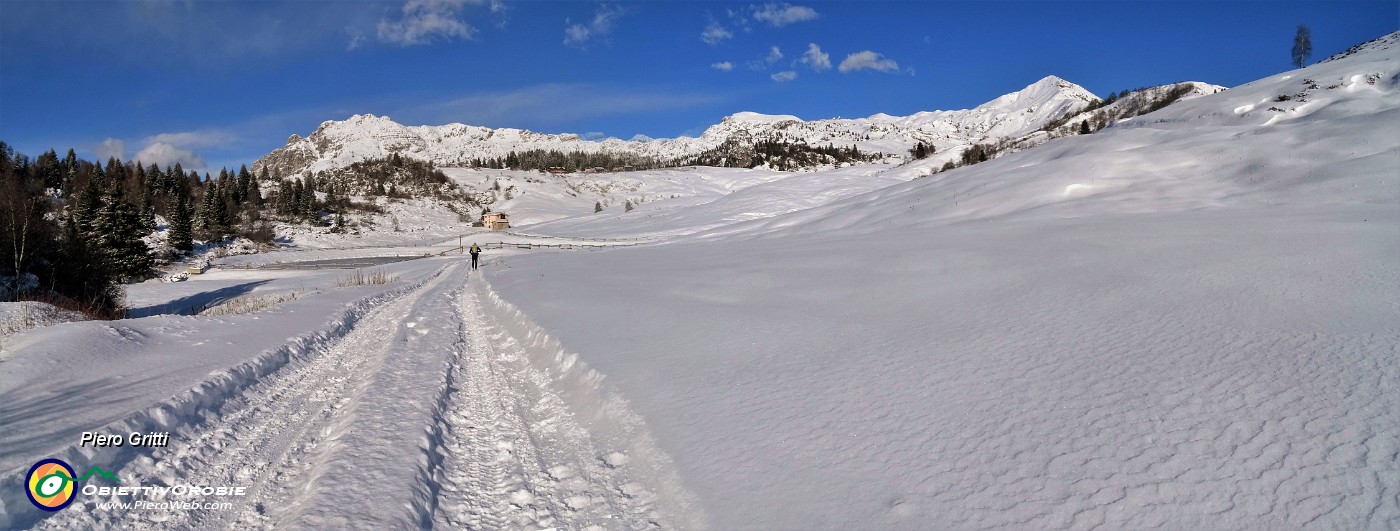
column 183, row 410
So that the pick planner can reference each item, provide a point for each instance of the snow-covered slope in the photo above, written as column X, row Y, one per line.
column 361, row 137
column 1328, row 141
column 1187, row 320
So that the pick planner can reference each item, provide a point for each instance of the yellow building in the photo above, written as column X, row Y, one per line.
column 495, row 220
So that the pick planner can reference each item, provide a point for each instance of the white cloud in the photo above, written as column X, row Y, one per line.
column 715, row 34
column 867, row 60
column 763, row 62
column 427, row 20
column 723, row 67
column 578, row 34
column 774, row 54
column 779, row 15
column 816, row 58
column 499, row 12
column 169, row 148
column 163, row 154
column 191, row 139
column 109, row 148
column 357, row 38
column 784, row 76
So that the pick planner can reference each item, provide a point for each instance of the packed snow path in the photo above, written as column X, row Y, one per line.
column 426, row 413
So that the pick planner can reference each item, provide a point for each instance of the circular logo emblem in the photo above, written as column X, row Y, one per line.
column 50, row 484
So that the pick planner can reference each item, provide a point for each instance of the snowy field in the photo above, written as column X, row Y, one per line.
column 1225, row 369
column 1187, row 320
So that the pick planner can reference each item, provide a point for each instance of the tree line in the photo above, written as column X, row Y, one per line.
column 72, row 231
column 777, row 153
column 572, row 161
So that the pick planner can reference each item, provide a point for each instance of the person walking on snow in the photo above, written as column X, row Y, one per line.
column 476, row 252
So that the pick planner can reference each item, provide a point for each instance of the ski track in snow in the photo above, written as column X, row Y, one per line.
column 428, row 412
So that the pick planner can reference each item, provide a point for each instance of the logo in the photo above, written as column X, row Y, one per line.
column 51, row 483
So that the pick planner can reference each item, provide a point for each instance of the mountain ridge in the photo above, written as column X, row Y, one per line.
column 339, row 143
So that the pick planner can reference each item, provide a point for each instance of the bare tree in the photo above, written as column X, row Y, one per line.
column 21, row 214
column 1302, row 46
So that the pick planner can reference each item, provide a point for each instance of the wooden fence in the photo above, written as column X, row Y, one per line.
column 531, row 245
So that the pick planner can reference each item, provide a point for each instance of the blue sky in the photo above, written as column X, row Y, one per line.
column 222, row 83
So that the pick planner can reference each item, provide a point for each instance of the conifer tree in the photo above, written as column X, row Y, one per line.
column 284, row 197
column 82, row 272
column 89, row 204
column 209, row 208
column 115, row 170
column 119, row 231
column 148, row 210
column 297, row 206
column 159, row 180
column 70, row 162
column 255, row 188
column 223, row 222
column 181, row 226
column 245, row 179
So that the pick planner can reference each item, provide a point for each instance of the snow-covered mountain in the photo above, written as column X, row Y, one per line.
column 340, row 143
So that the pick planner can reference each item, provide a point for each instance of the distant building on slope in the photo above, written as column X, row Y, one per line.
column 495, row 220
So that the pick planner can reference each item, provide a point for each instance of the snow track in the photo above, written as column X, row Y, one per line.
column 518, row 456
column 427, row 413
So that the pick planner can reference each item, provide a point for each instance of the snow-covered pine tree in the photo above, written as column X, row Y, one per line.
column 86, row 211
column 119, row 232
column 181, row 226
column 148, row 209
column 207, row 217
